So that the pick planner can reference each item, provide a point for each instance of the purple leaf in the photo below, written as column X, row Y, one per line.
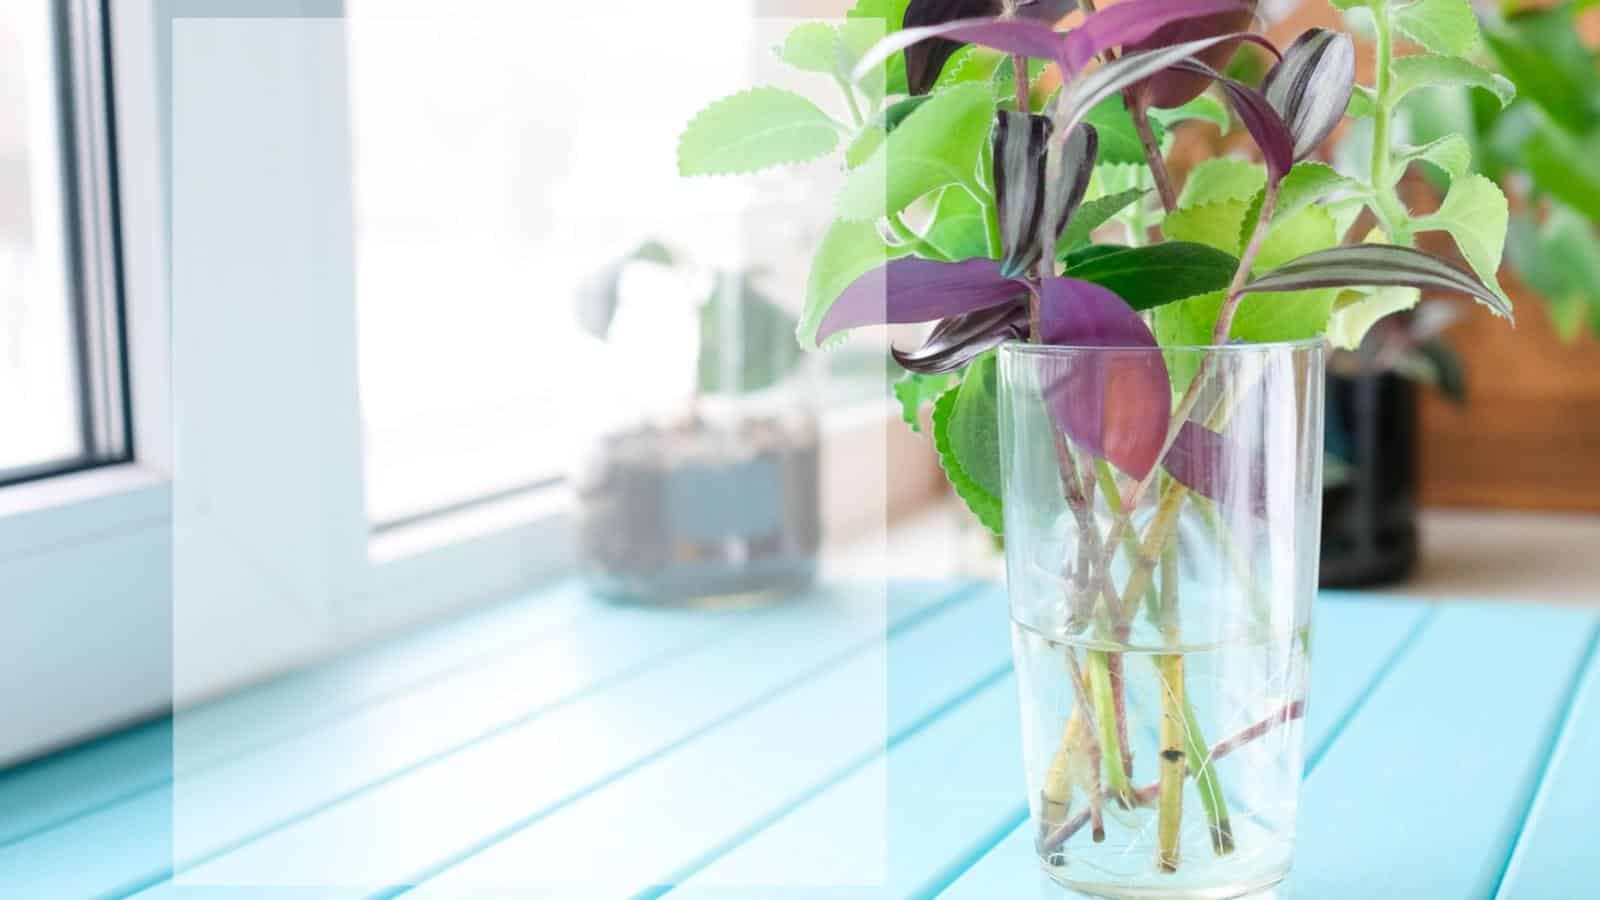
column 1113, row 404
column 1082, row 93
column 1131, row 22
column 1260, row 118
column 925, row 60
column 958, row 340
column 1017, row 36
column 1035, row 198
column 911, row 289
column 1377, row 265
column 1310, row 87
column 1173, row 88
column 1217, row 466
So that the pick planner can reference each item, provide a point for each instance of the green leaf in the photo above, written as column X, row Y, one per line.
column 813, row 47
column 765, row 353
column 892, row 12
column 970, row 64
column 939, row 144
column 1561, row 261
column 1476, row 216
column 1413, row 73
column 1204, row 108
column 1119, row 140
column 755, row 130
column 959, row 229
column 1543, row 55
column 1215, row 224
column 967, row 436
column 914, row 391
column 1443, row 26
column 1265, row 318
column 1307, row 183
column 1452, row 154
column 1363, row 102
column 1222, row 179
column 847, row 251
column 1563, row 166
column 1356, row 312
column 1187, row 323
column 1154, row 275
column 1093, row 214
column 871, row 136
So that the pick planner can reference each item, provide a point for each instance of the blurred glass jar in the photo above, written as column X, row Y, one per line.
column 701, row 487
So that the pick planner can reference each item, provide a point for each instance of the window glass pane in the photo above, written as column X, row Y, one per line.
column 40, row 421
column 492, row 184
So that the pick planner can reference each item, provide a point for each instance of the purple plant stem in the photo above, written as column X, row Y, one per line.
column 1145, row 795
column 1152, row 150
column 1097, row 797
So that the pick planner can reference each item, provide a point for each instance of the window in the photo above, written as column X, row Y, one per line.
column 61, row 396
column 490, row 186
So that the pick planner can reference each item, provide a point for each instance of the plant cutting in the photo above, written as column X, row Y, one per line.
column 1126, row 371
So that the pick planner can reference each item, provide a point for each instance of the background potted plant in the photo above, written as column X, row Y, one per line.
column 712, row 497
column 1141, row 420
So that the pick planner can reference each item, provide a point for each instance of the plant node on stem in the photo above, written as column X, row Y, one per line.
column 1152, row 150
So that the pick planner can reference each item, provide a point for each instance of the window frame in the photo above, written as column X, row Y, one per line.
column 124, row 522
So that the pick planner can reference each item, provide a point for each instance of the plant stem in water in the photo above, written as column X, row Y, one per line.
column 1173, row 723
column 1105, row 714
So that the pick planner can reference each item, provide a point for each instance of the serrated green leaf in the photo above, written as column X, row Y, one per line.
column 871, row 137
column 1426, row 70
column 1476, row 215
column 1119, row 140
column 755, row 130
column 1092, row 214
column 939, row 144
column 1214, row 224
column 1356, row 312
column 966, row 435
column 1187, row 323
column 1264, row 318
column 847, row 251
column 968, row 65
column 1561, row 261
column 1443, row 26
column 914, row 391
column 1222, row 179
column 1452, row 154
column 960, row 228
column 813, row 47
column 891, row 12
column 1204, row 108
column 1157, row 274
column 1307, row 183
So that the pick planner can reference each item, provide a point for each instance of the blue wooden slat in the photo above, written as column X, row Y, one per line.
column 399, row 826
column 665, row 815
column 1556, row 857
column 953, row 789
column 1354, row 644
column 1424, row 791
column 286, row 779
column 49, row 792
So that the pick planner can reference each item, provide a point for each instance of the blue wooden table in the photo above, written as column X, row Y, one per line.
column 697, row 754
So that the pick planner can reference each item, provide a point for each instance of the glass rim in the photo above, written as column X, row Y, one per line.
column 1025, row 348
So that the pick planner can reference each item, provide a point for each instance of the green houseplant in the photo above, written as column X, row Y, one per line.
column 1126, row 372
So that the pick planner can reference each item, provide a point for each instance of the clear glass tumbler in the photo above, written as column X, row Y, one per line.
column 1162, row 513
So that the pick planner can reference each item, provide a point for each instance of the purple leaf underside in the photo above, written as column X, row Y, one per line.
column 911, row 290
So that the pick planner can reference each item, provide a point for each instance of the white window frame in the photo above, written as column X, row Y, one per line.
column 87, row 587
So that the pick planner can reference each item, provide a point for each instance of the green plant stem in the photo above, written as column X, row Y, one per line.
column 1199, row 758
column 1386, row 204
column 1095, row 751
column 856, row 118
column 1118, row 783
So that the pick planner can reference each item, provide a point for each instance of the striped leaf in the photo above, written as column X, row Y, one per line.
column 1310, row 87
column 1378, row 265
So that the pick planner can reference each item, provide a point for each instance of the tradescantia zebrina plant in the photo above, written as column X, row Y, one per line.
column 1006, row 181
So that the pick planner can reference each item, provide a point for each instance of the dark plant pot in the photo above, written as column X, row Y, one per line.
column 699, row 514
column 1369, row 507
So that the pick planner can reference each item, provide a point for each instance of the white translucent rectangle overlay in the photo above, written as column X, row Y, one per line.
column 372, row 209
